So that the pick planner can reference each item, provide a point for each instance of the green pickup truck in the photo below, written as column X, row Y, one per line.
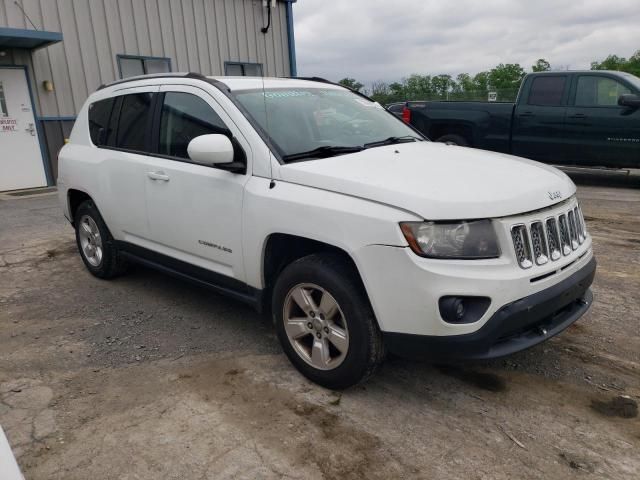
column 589, row 118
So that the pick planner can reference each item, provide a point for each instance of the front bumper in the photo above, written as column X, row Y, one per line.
column 514, row 327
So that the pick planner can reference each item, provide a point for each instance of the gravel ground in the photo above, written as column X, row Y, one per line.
column 148, row 377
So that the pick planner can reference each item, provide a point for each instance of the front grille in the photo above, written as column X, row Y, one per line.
column 540, row 241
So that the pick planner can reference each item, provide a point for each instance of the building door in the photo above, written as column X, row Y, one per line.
column 21, row 164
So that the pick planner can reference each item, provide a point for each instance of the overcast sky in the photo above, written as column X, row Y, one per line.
column 387, row 40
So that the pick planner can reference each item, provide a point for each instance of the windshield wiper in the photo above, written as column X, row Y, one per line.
column 391, row 141
column 321, row 152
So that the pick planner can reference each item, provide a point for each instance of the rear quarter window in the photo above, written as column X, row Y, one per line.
column 99, row 115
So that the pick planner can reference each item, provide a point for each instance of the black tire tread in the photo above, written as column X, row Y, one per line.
column 454, row 138
column 344, row 270
column 113, row 263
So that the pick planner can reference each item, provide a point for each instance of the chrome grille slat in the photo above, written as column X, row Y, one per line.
column 542, row 240
column 539, row 243
column 553, row 239
column 565, row 241
column 521, row 244
column 579, row 225
column 573, row 229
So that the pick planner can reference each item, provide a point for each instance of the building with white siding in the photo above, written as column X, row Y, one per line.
column 54, row 53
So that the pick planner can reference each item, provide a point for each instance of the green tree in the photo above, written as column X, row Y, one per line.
column 351, row 83
column 464, row 83
column 614, row 62
column 541, row 65
column 441, row 85
column 506, row 76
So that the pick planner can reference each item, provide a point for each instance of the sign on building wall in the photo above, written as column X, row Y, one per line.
column 3, row 103
column 6, row 124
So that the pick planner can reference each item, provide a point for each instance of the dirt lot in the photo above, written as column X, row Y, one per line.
column 146, row 377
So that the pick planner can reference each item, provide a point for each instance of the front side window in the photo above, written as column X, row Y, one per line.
column 131, row 66
column 99, row 114
column 303, row 119
column 133, row 122
column 547, row 90
column 595, row 91
column 185, row 117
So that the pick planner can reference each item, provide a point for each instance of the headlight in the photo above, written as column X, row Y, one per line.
column 462, row 240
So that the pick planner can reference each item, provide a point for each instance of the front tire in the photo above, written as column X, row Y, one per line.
column 95, row 243
column 325, row 323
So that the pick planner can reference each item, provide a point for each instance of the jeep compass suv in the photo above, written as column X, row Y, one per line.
column 308, row 200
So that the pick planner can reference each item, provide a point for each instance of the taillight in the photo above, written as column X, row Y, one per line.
column 406, row 115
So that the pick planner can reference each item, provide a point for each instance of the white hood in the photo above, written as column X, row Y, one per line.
column 437, row 181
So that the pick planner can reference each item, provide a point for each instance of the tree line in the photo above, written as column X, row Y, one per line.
column 503, row 79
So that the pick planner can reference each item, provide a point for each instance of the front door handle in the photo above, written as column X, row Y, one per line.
column 578, row 115
column 527, row 114
column 163, row 177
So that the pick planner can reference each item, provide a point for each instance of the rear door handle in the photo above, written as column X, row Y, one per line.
column 526, row 114
column 163, row 177
column 578, row 115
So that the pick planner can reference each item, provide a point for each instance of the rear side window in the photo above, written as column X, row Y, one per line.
column 594, row 91
column 547, row 90
column 99, row 114
column 134, row 119
column 185, row 117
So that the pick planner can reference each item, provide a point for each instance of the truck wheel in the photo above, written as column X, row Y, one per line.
column 95, row 243
column 325, row 323
column 453, row 140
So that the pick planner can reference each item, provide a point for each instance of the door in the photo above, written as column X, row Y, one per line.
column 195, row 211
column 122, row 156
column 599, row 132
column 21, row 164
column 538, row 119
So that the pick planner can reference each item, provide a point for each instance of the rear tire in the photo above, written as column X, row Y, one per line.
column 95, row 243
column 458, row 140
column 333, row 338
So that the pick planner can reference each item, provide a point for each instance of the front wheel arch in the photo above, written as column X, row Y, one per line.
column 282, row 249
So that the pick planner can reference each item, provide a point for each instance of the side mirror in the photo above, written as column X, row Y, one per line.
column 211, row 150
column 629, row 100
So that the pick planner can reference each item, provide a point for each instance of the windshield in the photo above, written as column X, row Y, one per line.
column 635, row 81
column 335, row 121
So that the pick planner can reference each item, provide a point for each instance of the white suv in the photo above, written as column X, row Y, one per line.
column 311, row 202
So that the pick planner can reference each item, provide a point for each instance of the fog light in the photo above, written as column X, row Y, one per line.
column 463, row 309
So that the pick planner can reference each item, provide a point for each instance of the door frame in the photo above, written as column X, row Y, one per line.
column 36, row 119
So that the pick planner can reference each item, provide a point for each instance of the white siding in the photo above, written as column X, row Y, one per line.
column 197, row 35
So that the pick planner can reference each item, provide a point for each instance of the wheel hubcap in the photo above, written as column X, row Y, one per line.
column 316, row 326
column 90, row 240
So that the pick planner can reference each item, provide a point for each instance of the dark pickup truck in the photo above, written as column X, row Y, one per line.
column 589, row 118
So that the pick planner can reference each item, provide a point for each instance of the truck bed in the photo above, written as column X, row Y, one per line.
column 487, row 124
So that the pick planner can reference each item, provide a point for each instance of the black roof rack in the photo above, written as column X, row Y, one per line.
column 193, row 75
